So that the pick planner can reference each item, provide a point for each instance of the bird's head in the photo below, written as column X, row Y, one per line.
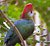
column 28, row 11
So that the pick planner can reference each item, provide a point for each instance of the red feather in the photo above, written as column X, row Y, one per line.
column 27, row 8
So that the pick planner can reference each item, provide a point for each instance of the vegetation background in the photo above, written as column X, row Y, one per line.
column 14, row 8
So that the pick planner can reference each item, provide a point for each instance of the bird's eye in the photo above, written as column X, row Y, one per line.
column 31, row 11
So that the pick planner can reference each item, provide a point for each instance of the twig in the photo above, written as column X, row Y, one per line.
column 15, row 28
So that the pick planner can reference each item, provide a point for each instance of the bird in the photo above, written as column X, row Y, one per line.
column 25, row 26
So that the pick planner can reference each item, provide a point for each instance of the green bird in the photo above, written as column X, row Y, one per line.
column 25, row 26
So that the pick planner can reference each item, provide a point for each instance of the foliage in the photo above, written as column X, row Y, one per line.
column 13, row 12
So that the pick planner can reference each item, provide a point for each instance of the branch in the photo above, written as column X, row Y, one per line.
column 15, row 28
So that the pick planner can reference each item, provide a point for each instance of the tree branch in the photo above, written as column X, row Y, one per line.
column 15, row 28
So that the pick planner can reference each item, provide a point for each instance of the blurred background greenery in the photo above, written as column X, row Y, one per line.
column 13, row 9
